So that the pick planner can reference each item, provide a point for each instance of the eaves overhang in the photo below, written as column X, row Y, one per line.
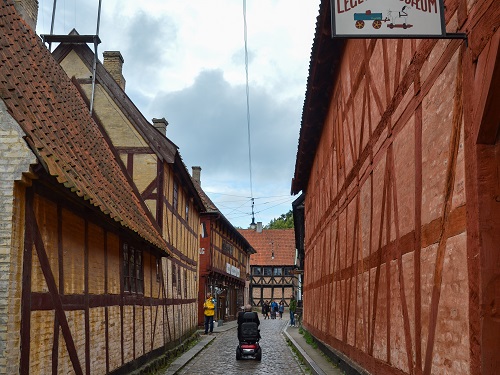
column 323, row 69
column 62, row 134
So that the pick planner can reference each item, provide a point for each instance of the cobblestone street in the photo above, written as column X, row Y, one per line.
column 220, row 356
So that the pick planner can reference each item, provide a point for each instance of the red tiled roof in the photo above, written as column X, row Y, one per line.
column 279, row 241
column 162, row 146
column 60, row 130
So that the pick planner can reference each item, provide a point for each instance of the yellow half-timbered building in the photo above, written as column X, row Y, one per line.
column 82, row 257
column 156, row 167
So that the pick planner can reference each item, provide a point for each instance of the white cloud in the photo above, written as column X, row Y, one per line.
column 184, row 60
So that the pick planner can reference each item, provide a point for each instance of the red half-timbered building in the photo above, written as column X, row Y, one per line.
column 399, row 160
column 224, row 260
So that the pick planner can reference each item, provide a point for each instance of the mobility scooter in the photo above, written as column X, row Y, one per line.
column 248, row 337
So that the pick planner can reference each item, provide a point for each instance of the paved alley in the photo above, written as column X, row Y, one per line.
column 219, row 357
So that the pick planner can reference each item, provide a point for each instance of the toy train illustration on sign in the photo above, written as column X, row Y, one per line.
column 395, row 19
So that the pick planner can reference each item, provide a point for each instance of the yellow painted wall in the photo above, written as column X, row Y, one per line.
column 138, row 321
column 182, row 234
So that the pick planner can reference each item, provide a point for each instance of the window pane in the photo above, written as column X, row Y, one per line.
column 131, row 262
column 140, row 286
column 179, row 280
column 267, row 271
column 133, row 272
column 125, row 267
column 176, row 196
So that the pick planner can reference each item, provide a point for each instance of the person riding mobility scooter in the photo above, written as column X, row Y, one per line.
column 248, row 335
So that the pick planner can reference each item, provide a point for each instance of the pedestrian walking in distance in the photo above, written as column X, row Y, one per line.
column 292, row 307
column 265, row 310
column 274, row 309
column 281, row 309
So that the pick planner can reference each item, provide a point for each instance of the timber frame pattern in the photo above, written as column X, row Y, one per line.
column 272, row 269
column 142, row 327
column 389, row 241
column 155, row 165
column 286, row 284
column 388, row 252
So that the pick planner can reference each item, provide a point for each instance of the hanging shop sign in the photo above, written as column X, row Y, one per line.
column 232, row 270
column 387, row 18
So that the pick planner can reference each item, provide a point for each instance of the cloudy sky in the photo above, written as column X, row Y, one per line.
column 185, row 61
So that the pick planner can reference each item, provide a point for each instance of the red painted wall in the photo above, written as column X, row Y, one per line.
column 402, row 210
column 204, row 265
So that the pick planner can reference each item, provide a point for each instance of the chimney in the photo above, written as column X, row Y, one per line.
column 259, row 226
column 28, row 10
column 161, row 125
column 197, row 174
column 113, row 63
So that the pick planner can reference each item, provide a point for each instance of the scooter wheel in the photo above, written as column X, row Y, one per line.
column 258, row 356
column 238, row 353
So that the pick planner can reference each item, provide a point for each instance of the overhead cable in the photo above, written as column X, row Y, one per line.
column 248, row 104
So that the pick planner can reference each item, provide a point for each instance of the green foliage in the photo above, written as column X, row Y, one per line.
column 310, row 340
column 285, row 221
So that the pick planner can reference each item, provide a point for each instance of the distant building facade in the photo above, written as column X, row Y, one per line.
column 272, row 267
column 224, row 260
column 299, row 229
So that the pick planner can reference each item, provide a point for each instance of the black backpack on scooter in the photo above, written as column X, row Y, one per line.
column 249, row 328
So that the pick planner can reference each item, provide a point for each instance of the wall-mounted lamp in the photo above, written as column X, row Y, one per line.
column 252, row 224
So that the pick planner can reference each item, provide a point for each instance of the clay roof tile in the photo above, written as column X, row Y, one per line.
column 60, row 130
column 277, row 242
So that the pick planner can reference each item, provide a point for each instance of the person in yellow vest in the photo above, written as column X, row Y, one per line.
column 209, row 310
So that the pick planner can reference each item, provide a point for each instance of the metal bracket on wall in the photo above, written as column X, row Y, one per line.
column 74, row 38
